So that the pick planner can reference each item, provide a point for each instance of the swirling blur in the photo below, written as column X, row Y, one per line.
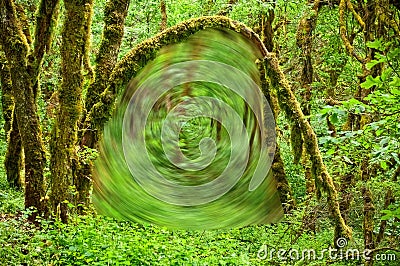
column 192, row 140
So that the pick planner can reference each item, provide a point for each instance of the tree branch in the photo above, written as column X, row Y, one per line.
column 343, row 32
column 46, row 21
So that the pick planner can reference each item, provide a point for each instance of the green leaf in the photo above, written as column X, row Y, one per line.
column 371, row 64
column 370, row 82
column 376, row 44
column 331, row 151
column 395, row 83
column 388, row 214
column 334, row 118
column 383, row 165
column 386, row 74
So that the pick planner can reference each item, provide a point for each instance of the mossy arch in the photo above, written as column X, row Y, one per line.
column 147, row 50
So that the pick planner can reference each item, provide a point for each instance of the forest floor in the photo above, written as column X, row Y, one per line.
column 97, row 240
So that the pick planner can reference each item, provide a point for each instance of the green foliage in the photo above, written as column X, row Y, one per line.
column 89, row 240
column 377, row 140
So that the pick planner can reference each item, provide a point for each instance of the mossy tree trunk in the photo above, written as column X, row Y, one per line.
column 115, row 13
column 13, row 161
column 14, row 44
column 46, row 22
column 64, row 135
column 292, row 109
column 164, row 17
column 13, row 158
column 24, row 65
column 266, row 33
column 304, row 40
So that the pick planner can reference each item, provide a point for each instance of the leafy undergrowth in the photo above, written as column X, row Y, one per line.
column 98, row 240
column 101, row 241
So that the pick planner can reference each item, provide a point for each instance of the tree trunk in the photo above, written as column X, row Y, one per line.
column 266, row 32
column 304, row 39
column 292, row 109
column 46, row 22
column 164, row 18
column 13, row 158
column 64, row 134
column 16, row 48
column 114, row 16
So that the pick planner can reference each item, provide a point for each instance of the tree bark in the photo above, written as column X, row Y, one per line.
column 304, row 40
column 16, row 48
column 64, row 134
column 115, row 13
column 164, row 18
column 13, row 158
column 46, row 21
column 266, row 32
column 292, row 109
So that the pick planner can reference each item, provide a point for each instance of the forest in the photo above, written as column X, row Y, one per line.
column 124, row 122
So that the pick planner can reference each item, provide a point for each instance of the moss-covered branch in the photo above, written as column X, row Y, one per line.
column 343, row 32
column 137, row 58
column 268, row 87
column 293, row 111
column 355, row 14
column 46, row 21
column 115, row 13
